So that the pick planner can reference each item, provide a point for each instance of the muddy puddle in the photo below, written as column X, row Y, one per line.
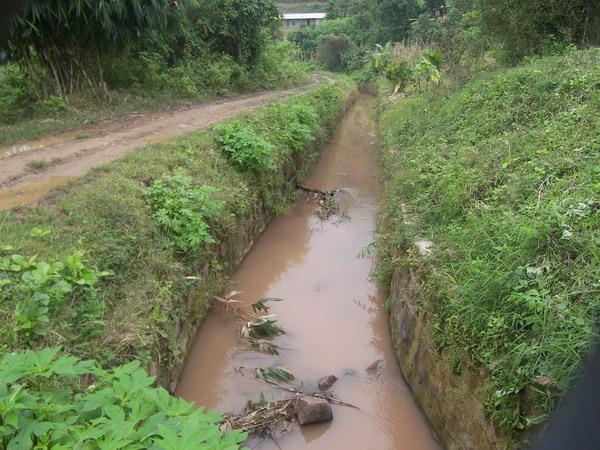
column 333, row 315
column 28, row 193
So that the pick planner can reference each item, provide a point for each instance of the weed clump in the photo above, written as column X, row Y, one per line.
column 183, row 210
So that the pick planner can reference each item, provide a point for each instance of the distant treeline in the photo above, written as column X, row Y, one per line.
column 509, row 29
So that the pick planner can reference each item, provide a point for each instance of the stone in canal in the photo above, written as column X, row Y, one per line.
column 313, row 410
column 376, row 367
column 326, row 382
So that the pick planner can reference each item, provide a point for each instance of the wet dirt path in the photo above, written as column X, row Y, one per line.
column 73, row 153
column 332, row 314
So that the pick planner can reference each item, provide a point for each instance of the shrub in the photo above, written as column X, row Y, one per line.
column 399, row 73
column 16, row 92
column 278, row 66
column 298, row 124
column 331, row 49
column 245, row 149
column 37, row 290
column 183, row 209
column 44, row 404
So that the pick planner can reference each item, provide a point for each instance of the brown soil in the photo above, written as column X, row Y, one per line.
column 72, row 153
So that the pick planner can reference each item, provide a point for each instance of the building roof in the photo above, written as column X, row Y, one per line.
column 301, row 16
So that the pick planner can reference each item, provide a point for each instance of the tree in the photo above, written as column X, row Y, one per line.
column 525, row 27
column 387, row 20
column 237, row 27
column 67, row 38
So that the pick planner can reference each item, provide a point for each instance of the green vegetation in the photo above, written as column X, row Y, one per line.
column 158, row 220
column 468, row 33
column 115, row 277
column 245, row 149
column 36, row 292
column 183, row 210
column 77, row 62
column 45, row 403
column 301, row 6
column 502, row 174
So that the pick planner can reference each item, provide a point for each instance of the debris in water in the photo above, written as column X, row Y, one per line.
column 262, row 327
column 376, row 367
column 274, row 375
column 317, row 192
column 230, row 303
column 327, row 202
column 261, row 304
column 264, row 345
column 271, row 419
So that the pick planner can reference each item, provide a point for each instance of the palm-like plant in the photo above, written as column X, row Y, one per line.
column 381, row 56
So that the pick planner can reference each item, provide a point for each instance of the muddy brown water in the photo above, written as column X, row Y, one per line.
column 333, row 315
column 28, row 193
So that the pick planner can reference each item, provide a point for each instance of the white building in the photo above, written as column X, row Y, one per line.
column 301, row 19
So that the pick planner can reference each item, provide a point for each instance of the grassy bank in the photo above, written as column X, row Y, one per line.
column 502, row 175
column 133, row 252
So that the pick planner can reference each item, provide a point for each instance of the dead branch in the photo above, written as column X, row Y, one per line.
column 321, row 192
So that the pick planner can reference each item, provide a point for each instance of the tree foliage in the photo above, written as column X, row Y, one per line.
column 237, row 27
column 525, row 27
column 66, row 46
column 68, row 37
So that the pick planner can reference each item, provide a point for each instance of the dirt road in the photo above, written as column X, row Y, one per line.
column 28, row 170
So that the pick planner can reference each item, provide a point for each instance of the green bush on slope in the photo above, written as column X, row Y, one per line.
column 503, row 176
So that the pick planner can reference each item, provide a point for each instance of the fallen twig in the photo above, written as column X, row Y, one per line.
column 322, row 192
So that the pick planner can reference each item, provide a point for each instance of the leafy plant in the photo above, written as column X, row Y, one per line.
column 296, row 124
column 44, row 404
column 183, row 209
column 55, row 104
column 245, row 149
column 427, row 69
column 399, row 73
column 37, row 289
column 381, row 56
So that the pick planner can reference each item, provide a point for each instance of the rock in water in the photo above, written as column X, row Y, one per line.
column 376, row 367
column 313, row 410
column 326, row 382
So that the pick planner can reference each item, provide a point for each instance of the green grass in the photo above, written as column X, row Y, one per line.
column 503, row 175
column 108, row 216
